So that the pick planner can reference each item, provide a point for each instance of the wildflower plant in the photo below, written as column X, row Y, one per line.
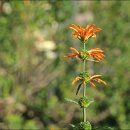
column 84, row 79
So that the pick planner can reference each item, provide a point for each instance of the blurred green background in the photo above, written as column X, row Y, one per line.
column 34, row 76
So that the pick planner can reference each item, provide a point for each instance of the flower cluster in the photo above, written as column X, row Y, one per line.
column 84, row 33
column 84, row 102
column 84, row 78
column 95, row 53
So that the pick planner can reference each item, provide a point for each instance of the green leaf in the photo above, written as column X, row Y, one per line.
column 73, row 126
column 103, row 128
column 78, row 88
column 72, row 101
column 30, row 124
column 93, row 60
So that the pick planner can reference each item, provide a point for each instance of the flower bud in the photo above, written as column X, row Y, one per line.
column 83, row 55
column 84, row 126
column 84, row 102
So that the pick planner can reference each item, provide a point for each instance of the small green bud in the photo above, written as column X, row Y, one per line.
column 83, row 74
column 84, row 126
column 84, row 102
column 83, row 55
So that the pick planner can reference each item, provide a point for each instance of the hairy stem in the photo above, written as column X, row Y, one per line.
column 84, row 90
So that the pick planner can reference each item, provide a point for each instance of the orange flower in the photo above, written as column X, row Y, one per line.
column 84, row 33
column 86, row 78
column 96, row 53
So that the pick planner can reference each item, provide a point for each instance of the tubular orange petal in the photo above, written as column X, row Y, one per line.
column 94, row 35
column 101, row 81
column 75, row 50
column 98, row 57
column 97, row 29
column 70, row 55
column 84, row 82
column 92, row 84
column 75, row 80
column 97, row 53
column 98, row 80
column 74, row 54
column 89, row 27
column 77, row 36
column 74, row 27
column 96, row 50
column 95, row 76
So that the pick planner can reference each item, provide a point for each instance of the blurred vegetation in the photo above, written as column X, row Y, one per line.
column 34, row 76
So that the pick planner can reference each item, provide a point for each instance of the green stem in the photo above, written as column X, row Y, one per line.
column 84, row 90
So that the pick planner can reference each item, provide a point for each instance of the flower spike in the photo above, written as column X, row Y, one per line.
column 84, row 78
